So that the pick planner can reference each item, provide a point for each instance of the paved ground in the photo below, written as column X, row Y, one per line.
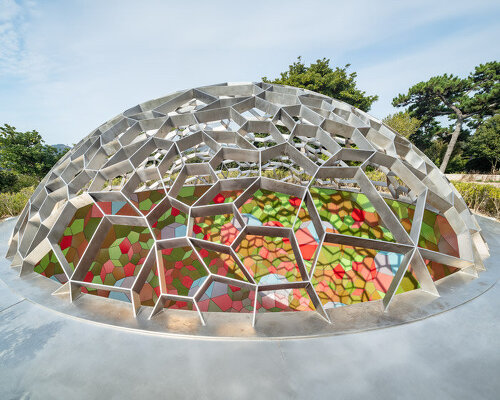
column 453, row 355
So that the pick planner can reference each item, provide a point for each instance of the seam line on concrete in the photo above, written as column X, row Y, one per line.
column 12, row 305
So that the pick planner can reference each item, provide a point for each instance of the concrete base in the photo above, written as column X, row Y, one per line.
column 452, row 355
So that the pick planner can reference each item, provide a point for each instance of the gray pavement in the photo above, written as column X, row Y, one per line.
column 452, row 355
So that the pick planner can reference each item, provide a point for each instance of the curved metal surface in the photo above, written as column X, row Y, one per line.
column 454, row 290
column 245, row 138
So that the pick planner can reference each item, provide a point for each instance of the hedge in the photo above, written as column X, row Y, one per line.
column 480, row 198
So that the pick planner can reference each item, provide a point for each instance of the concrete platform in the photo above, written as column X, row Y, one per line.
column 45, row 354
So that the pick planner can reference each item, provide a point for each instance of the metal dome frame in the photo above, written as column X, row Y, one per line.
column 237, row 137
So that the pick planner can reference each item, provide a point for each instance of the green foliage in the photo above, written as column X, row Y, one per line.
column 485, row 144
column 480, row 198
column 14, row 182
column 25, row 152
column 7, row 180
column 321, row 78
column 403, row 123
column 462, row 101
column 12, row 204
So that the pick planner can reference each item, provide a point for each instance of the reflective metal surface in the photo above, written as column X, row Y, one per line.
column 407, row 307
column 245, row 136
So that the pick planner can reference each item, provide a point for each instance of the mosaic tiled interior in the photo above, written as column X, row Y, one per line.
column 245, row 199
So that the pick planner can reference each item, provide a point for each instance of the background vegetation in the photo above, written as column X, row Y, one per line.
column 455, row 121
column 24, row 160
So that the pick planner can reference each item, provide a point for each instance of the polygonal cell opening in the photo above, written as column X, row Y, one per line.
column 145, row 190
column 147, row 200
column 120, row 257
column 312, row 148
column 236, row 169
column 261, row 134
column 221, row 229
column 80, row 230
column 168, row 222
column 50, row 267
column 346, row 275
column 221, row 263
column 115, row 183
column 387, row 182
column 225, row 297
column 349, row 213
column 284, row 169
column 268, row 208
column 269, row 260
column 296, row 299
column 182, row 270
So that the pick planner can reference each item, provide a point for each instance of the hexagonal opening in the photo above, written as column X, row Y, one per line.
column 269, row 260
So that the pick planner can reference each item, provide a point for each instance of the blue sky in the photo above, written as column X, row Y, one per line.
column 68, row 66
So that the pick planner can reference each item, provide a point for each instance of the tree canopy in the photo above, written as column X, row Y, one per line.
column 25, row 152
column 485, row 144
column 403, row 123
column 320, row 77
column 463, row 101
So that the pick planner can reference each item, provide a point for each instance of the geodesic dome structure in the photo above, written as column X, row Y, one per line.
column 246, row 198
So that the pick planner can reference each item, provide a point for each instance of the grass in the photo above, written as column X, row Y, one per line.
column 12, row 204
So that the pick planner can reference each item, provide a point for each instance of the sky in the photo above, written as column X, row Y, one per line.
column 68, row 66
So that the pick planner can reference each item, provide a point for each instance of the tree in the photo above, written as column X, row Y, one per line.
column 320, row 77
column 485, row 143
column 25, row 152
column 403, row 123
column 464, row 102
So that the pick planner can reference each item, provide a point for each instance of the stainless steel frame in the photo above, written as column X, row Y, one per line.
column 239, row 135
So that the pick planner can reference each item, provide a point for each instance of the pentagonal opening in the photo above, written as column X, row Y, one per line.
column 314, row 143
column 197, row 148
column 145, row 189
column 285, row 163
column 261, row 134
column 193, row 181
